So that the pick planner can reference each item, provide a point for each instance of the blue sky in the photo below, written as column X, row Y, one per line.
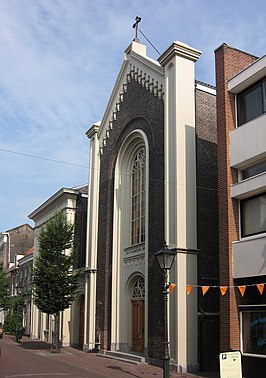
column 59, row 61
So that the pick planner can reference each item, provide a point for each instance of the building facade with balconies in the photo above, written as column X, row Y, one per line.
column 241, row 116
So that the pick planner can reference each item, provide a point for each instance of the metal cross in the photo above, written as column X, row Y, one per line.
column 135, row 26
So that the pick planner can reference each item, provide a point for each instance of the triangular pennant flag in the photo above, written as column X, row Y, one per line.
column 223, row 289
column 260, row 288
column 242, row 290
column 171, row 288
column 205, row 289
column 189, row 289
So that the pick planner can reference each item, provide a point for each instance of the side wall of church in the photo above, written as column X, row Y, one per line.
column 140, row 110
column 207, row 228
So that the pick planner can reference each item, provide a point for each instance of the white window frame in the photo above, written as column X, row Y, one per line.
column 242, row 217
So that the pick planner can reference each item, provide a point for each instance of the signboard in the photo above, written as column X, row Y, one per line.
column 230, row 365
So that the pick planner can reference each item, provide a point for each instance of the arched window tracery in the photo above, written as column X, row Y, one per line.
column 138, row 289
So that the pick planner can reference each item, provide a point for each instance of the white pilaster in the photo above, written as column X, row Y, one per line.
column 92, row 236
column 34, row 321
column 180, row 196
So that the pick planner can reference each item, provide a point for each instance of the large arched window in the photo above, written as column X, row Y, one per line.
column 138, row 197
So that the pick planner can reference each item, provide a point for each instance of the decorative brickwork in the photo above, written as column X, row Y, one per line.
column 146, row 81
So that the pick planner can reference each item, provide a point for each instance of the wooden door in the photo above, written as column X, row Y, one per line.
column 81, row 322
column 138, row 317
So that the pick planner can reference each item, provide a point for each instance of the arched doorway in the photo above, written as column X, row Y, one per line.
column 138, row 315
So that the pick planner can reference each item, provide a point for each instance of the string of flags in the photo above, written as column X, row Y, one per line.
column 223, row 289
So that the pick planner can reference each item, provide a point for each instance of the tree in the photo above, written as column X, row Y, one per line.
column 14, row 315
column 4, row 289
column 5, row 298
column 55, row 282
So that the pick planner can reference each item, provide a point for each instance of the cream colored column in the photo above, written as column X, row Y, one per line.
column 180, row 197
column 34, row 321
column 92, row 236
column 66, row 326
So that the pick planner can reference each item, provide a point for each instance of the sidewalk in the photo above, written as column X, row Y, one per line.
column 107, row 367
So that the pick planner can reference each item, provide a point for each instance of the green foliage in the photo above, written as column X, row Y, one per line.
column 55, row 283
column 9, row 325
column 4, row 289
column 14, row 316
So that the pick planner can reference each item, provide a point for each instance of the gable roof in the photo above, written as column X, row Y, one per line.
column 136, row 66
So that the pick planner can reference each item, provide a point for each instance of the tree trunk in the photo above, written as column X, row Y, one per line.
column 55, row 339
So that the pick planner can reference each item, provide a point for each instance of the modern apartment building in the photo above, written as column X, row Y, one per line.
column 241, row 123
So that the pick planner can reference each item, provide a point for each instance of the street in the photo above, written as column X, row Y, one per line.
column 32, row 358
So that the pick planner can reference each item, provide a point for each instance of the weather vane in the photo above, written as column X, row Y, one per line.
column 135, row 26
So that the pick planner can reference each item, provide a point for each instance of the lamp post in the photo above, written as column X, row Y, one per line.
column 165, row 258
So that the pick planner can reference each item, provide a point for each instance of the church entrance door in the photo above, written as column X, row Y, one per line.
column 138, row 318
column 138, row 315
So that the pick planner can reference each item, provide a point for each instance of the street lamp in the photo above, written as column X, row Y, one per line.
column 165, row 258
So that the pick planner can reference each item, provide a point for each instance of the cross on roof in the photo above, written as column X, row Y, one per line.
column 135, row 26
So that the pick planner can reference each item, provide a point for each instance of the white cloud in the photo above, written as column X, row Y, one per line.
column 59, row 61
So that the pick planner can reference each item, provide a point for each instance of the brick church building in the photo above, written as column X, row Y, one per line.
column 153, row 179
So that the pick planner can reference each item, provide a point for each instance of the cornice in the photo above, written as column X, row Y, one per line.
column 51, row 200
column 180, row 49
column 93, row 130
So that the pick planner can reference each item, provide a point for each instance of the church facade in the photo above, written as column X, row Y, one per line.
column 153, row 179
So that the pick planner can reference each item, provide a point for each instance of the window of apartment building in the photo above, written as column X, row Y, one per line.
column 253, row 215
column 251, row 102
column 254, row 331
column 253, row 170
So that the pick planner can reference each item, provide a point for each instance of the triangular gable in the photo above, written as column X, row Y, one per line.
column 136, row 66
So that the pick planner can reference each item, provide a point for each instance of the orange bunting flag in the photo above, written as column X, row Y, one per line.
column 171, row 288
column 223, row 289
column 189, row 289
column 205, row 289
column 242, row 290
column 260, row 288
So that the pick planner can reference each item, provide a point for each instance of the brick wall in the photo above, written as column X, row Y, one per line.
column 81, row 230
column 207, row 193
column 140, row 110
column 207, row 227
column 21, row 239
column 229, row 61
